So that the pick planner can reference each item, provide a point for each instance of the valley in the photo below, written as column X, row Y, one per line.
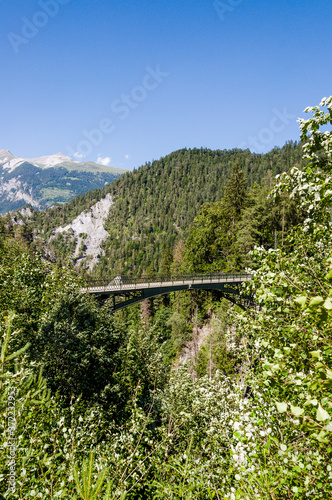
column 190, row 371
column 153, row 208
column 166, row 250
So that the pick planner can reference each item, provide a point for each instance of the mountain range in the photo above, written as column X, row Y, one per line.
column 133, row 224
column 47, row 180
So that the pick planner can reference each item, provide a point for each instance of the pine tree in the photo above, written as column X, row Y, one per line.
column 235, row 197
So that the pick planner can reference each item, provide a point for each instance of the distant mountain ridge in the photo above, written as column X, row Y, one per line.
column 47, row 180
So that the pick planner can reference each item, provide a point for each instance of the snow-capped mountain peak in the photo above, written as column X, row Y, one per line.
column 10, row 162
column 46, row 180
column 5, row 155
column 51, row 161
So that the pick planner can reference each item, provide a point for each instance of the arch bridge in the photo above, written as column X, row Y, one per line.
column 127, row 290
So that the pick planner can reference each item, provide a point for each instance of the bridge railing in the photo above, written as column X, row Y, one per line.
column 118, row 282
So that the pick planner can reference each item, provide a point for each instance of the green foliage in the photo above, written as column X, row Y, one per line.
column 155, row 205
column 292, row 336
column 256, row 422
column 86, row 490
column 71, row 338
column 202, row 245
column 180, row 332
column 222, row 350
column 143, row 371
column 318, row 144
column 77, row 346
column 224, row 233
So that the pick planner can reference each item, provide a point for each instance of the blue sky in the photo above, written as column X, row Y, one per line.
column 128, row 82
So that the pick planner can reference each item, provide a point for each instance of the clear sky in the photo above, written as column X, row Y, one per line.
column 131, row 81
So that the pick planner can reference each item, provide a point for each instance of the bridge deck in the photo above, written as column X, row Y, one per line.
column 140, row 284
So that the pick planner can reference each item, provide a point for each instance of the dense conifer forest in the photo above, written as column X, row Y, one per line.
column 155, row 206
column 97, row 405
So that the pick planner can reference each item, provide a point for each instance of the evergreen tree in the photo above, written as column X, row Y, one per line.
column 235, row 196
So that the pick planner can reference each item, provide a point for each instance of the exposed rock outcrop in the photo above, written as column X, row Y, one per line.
column 89, row 232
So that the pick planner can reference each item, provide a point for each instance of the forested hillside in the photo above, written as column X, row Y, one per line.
column 97, row 405
column 155, row 205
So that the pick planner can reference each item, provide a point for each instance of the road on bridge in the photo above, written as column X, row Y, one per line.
column 127, row 283
column 131, row 290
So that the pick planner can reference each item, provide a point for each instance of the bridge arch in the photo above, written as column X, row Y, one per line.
column 126, row 290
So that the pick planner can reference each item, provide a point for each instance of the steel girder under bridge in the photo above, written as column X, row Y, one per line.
column 126, row 290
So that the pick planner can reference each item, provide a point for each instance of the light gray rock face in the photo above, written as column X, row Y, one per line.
column 191, row 349
column 16, row 190
column 89, row 232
